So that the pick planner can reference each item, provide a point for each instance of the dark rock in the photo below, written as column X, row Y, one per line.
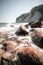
column 38, row 41
column 21, row 32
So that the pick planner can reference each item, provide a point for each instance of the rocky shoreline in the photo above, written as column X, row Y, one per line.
column 22, row 45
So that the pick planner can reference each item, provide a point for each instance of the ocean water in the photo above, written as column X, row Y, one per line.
column 3, row 24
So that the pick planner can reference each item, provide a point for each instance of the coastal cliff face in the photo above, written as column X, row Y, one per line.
column 36, row 14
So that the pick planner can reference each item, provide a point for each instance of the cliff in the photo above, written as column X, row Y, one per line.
column 35, row 14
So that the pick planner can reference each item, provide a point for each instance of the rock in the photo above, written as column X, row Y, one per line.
column 9, row 45
column 29, row 55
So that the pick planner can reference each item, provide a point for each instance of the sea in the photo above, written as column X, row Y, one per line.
column 3, row 24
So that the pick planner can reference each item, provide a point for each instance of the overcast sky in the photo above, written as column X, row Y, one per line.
column 11, row 9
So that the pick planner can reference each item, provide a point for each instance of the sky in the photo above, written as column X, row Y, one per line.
column 11, row 9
